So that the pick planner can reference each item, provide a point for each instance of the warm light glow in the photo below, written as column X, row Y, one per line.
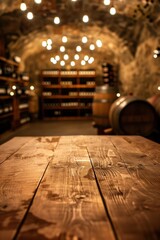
column 57, row 57
column 11, row 93
column 99, row 43
column 44, row 44
column 78, row 49
column 155, row 55
column 23, row 7
column 73, row 64
column 62, row 49
column 92, row 47
column 31, row 87
column 84, row 39
column 85, row 18
column 158, row 88
column 86, row 58
column 64, row 39
column 49, row 41
column 118, row 94
column 112, row 11
column 14, row 87
column 49, row 47
column 52, row 59
column 30, row 15
column 66, row 57
column 56, row 20
column 83, row 62
column 62, row 63
column 38, row 1
column 107, row 2
column 76, row 57
column 91, row 60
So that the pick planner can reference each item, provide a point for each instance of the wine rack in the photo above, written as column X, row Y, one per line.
column 67, row 94
column 13, row 99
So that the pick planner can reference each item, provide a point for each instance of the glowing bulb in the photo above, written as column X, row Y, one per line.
column 112, row 11
column 118, row 94
column 158, row 88
column 78, row 48
column 155, row 55
column 49, row 41
column 38, row 1
column 86, row 58
column 52, row 59
column 49, row 47
column 44, row 44
column 107, row 2
column 64, row 39
column 76, row 57
column 30, row 15
column 14, row 87
column 62, row 49
column 56, row 20
column 92, row 47
column 66, row 57
column 73, row 64
column 57, row 58
column 11, row 93
column 23, row 7
column 31, row 87
column 62, row 63
column 85, row 18
column 84, row 39
column 99, row 43
column 83, row 62
column 91, row 60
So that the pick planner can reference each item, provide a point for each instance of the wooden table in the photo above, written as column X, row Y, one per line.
column 80, row 188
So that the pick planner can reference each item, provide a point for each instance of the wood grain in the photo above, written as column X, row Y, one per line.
column 19, row 179
column 67, row 204
column 129, row 181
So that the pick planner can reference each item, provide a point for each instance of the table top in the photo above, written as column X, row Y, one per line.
column 80, row 188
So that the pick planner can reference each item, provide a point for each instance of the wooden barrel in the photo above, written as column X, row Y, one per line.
column 103, row 98
column 132, row 116
column 155, row 101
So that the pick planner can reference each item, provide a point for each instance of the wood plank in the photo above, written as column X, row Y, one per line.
column 12, row 146
column 67, row 204
column 20, row 177
column 129, row 181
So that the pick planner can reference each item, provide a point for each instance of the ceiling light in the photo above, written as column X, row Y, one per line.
column 57, row 57
column 85, row 18
column 23, row 7
column 49, row 41
column 107, row 2
column 38, row 1
column 92, row 47
column 49, row 47
column 78, row 49
column 84, row 39
column 62, row 63
column 83, row 62
column 44, row 44
column 112, row 11
column 76, row 57
column 56, row 20
column 73, row 64
column 86, row 58
column 30, row 15
column 62, row 49
column 99, row 43
column 66, row 57
column 64, row 39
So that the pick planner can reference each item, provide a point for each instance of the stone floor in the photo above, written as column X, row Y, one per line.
column 51, row 128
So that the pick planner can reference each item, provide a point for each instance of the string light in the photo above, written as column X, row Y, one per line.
column 38, row 1
column 30, row 15
column 107, row 2
column 85, row 18
column 23, row 6
column 57, row 20
column 112, row 11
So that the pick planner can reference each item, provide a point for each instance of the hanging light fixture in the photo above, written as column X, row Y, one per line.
column 23, row 6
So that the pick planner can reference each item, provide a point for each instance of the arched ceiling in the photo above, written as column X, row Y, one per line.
column 123, row 30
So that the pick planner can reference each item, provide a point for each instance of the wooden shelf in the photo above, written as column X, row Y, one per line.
column 6, row 115
column 64, row 92
column 9, row 61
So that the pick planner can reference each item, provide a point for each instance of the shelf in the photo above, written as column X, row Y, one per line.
column 6, row 97
column 66, row 108
column 65, row 97
column 6, row 115
column 9, row 61
column 9, row 79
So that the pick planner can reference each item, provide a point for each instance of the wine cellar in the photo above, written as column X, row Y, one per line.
column 79, row 119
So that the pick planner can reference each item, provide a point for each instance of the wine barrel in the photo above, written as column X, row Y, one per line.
column 155, row 101
column 130, row 115
column 103, row 98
